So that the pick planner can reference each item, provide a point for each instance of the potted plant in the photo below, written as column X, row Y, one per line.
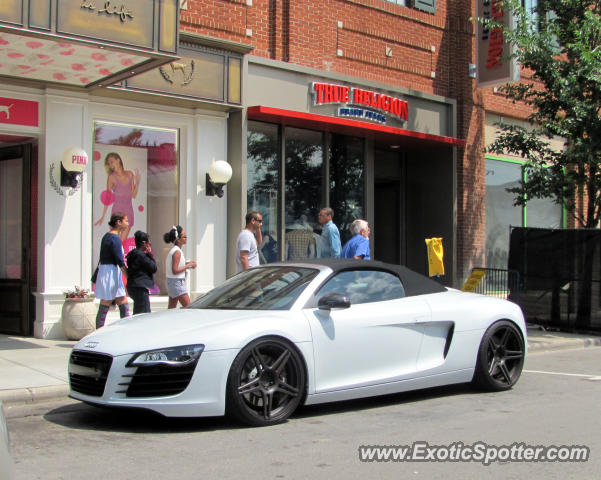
column 78, row 316
column 79, row 293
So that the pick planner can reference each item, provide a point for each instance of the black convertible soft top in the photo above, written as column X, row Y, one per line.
column 413, row 282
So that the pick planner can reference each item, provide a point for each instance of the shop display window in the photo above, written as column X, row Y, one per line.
column 292, row 174
column 501, row 213
column 135, row 171
column 347, row 182
column 263, row 180
column 303, row 179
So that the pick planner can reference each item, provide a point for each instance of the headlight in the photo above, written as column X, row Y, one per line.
column 174, row 356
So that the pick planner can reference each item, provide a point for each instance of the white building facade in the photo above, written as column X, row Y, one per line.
column 161, row 100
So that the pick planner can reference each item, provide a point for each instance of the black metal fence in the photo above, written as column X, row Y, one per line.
column 498, row 282
column 559, row 276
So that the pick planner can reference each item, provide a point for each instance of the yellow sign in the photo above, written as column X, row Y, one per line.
column 473, row 280
column 435, row 253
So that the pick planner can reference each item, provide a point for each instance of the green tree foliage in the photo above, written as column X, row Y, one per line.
column 560, row 46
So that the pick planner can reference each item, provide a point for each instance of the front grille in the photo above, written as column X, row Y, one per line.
column 88, row 372
column 160, row 380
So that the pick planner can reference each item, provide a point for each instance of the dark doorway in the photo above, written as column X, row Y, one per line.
column 15, row 239
column 388, row 216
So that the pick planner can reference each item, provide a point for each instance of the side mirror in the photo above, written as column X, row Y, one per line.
column 333, row 300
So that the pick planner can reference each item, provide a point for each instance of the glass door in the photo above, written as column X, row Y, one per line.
column 15, row 165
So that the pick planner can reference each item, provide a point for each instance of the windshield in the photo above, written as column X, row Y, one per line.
column 268, row 288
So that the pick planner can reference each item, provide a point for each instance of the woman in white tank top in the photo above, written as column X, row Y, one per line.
column 176, row 267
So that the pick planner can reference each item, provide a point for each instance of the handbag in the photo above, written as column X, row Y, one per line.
column 95, row 275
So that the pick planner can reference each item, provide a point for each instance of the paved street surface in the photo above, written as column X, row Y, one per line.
column 556, row 402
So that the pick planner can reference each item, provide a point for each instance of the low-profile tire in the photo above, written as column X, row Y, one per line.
column 500, row 357
column 266, row 382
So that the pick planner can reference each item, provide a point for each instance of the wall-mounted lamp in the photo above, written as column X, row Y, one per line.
column 220, row 172
column 73, row 164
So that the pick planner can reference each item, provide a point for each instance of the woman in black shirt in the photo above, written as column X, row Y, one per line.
column 140, row 270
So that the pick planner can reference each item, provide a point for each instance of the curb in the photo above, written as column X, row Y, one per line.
column 32, row 395
column 563, row 344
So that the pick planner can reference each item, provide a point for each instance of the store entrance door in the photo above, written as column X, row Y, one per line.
column 388, row 207
column 15, row 235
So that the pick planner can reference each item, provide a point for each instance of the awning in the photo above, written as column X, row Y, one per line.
column 346, row 126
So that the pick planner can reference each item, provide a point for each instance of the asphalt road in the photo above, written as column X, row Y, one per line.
column 554, row 404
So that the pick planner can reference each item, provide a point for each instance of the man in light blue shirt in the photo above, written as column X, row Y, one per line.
column 330, row 236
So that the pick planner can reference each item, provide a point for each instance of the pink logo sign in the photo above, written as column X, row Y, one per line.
column 18, row 112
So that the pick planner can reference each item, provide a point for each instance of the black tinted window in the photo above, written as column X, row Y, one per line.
column 364, row 286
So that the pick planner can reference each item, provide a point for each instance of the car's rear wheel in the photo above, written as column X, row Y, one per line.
column 500, row 357
column 266, row 382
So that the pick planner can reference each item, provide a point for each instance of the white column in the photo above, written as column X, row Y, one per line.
column 64, row 240
column 210, row 213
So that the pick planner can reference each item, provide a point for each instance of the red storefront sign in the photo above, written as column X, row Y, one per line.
column 329, row 93
column 492, row 49
column 19, row 112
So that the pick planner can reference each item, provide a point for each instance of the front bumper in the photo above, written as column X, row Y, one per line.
column 203, row 396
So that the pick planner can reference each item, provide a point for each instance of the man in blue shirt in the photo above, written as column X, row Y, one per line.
column 330, row 236
column 358, row 246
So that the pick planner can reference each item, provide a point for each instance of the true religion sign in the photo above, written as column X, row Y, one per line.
column 364, row 102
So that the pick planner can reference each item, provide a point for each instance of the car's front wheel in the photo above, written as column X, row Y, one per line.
column 266, row 382
column 500, row 357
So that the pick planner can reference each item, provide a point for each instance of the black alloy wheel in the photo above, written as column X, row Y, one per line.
column 500, row 357
column 266, row 382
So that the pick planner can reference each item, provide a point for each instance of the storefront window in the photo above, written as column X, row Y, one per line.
column 263, row 181
column 346, row 182
column 304, row 167
column 306, row 186
column 136, row 172
column 543, row 213
column 501, row 213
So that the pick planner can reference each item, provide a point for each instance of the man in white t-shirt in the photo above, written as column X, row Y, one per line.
column 249, row 241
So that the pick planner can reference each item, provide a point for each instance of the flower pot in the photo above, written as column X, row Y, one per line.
column 78, row 317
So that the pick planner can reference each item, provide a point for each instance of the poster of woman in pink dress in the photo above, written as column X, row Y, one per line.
column 122, row 190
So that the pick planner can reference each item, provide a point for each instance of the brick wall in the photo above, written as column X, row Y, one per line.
column 344, row 36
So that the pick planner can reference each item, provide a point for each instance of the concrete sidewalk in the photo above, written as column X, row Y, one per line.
column 35, row 370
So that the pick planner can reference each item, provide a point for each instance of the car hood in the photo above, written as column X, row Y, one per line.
column 212, row 328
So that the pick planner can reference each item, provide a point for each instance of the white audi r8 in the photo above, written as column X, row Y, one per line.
column 280, row 335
